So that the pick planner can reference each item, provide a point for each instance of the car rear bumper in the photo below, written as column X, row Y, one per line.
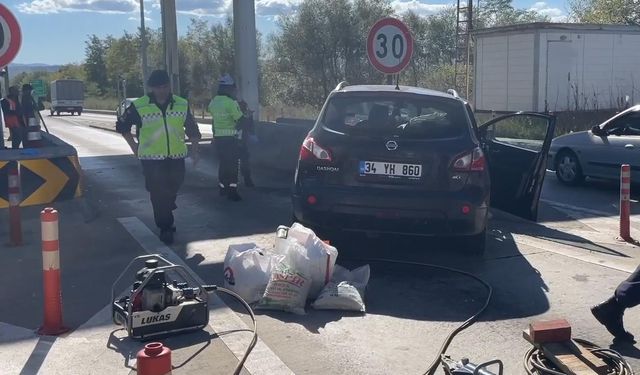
column 418, row 213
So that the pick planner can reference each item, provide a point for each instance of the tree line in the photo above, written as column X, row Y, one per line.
column 320, row 45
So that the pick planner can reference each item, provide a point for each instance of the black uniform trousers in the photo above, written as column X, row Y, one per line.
column 628, row 292
column 245, row 163
column 163, row 179
column 228, row 149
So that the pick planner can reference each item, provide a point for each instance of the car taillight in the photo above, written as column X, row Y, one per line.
column 311, row 150
column 473, row 161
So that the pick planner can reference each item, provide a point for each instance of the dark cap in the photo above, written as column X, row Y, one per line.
column 158, row 78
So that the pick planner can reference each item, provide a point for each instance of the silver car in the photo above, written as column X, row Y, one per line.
column 600, row 151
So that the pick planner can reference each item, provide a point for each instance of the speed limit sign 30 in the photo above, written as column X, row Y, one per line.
column 10, row 36
column 389, row 46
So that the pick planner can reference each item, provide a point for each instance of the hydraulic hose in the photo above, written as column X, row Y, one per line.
column 254, row 340
column 466, row 324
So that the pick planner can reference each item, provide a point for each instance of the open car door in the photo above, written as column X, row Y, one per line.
column 516, row 147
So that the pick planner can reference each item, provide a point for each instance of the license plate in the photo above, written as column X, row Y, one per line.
column 390, row 169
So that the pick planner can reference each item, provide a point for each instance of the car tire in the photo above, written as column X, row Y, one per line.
column 568, row 168
column 475, row 245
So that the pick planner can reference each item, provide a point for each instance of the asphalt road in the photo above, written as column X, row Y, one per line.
column 557, row 268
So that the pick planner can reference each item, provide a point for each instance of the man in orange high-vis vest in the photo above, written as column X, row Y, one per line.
column 12, row 113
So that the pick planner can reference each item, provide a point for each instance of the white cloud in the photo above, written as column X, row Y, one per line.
column 97, row 6
column 554, row 14
column 270, row 8
column 419, row 7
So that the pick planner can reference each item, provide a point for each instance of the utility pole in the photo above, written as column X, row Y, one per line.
column 170, row 41
column 246, row 53
column 143, row 45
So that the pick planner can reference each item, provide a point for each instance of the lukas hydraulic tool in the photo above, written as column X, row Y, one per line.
column 164, row 300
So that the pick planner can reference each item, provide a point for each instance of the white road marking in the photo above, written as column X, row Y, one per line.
column 600, row 214
column 222, row 319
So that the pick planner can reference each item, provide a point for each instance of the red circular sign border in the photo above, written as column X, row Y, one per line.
column 16, row 36
column 370, row 50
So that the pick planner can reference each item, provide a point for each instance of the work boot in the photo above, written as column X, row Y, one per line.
column 248, row 182
column 232, row 194
column 609, row 313
column 166, row 236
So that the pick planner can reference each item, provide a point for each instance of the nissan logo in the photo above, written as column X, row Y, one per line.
column 392, row 145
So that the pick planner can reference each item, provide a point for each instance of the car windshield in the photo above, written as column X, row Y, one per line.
column 414, row 116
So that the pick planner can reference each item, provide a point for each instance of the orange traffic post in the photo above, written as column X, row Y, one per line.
column 625, row 202
column 15, row 221
column 52, row 292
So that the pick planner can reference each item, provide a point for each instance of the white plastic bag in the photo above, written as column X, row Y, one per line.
column 289, row 283
column 320, row 257
column 345, row 291
column 246, row 270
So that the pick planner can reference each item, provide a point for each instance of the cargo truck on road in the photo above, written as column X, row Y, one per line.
column 67, row 95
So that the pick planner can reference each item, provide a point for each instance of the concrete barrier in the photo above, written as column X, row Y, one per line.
column 47, row 174
column 278, row 144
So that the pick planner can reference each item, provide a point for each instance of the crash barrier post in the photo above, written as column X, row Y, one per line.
column 625, row 202
column 154, row 359
column 47, row 174
column 52, row 292
column 15, row 222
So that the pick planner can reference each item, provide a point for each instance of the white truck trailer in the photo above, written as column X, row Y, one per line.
column 67, row 95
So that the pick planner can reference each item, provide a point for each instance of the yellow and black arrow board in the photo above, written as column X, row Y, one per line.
column 43, row 180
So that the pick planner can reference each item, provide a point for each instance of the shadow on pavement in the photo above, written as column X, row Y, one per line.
column 38, row 355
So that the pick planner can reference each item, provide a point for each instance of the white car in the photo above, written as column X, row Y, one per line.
column 599, row 152
column 124, row 104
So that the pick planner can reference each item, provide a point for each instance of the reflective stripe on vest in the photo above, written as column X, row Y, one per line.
column 11, row 120
column 161, row 137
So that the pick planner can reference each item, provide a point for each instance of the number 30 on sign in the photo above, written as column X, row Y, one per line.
column 389, row 46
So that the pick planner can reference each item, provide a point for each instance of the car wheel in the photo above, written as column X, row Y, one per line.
column 568, row 169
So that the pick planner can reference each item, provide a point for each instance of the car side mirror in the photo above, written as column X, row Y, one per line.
column 597, row 130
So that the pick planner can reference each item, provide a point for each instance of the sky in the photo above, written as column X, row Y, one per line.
column 54, row 31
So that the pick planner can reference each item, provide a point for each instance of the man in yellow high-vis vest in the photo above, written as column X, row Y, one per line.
column 162, row 120
column 226, row 116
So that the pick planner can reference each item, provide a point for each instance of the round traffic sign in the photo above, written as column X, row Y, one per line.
column 389, row 45
column 10, row 36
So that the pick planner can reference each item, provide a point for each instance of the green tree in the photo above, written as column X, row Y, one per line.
column 95, row 62
column 495, row 13
column 123, row 62
column 605, row 11
column 319, row 46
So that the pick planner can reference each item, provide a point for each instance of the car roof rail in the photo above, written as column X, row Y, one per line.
column 453, row 93
column 342, row 85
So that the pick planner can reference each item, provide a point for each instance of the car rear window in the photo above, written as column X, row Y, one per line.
column 410, row 116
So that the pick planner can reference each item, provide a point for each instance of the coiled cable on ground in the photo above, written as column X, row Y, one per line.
column 535, row 362
column 466, row 324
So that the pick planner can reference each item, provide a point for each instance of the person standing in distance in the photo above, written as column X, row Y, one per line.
column 610, row 312
column 227, row 116
column 13, row 119
column 162, row 120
